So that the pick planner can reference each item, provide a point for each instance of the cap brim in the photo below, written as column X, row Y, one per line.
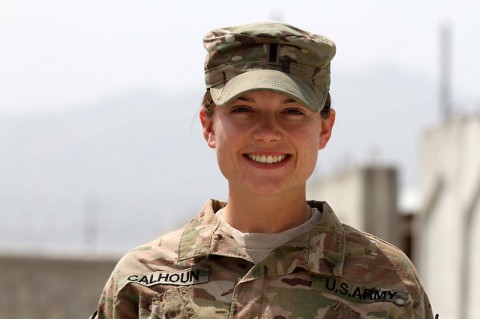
column 313, row 97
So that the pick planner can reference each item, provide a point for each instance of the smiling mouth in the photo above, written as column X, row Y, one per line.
column 267, row 159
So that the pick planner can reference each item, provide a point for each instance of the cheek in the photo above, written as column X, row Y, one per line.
column 308, row 144
column 226, row 151
column 308, row 163
column 228, row 162
column 229, row 137
column 308, row 139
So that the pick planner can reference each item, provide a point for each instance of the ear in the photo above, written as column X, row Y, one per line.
column 208, row 132
column 326, row 131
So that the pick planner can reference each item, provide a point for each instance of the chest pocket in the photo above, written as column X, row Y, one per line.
column 186, row 302
column 170, row 304
column 339, row 310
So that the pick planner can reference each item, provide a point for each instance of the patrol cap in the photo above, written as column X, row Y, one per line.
column 268, row 56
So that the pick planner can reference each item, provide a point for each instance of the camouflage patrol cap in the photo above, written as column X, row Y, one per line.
column 268, row 56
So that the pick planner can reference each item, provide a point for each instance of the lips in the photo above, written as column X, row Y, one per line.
column 267, row 159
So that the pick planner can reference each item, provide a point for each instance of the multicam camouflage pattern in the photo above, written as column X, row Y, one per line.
column 268, row 55
column 199, row 271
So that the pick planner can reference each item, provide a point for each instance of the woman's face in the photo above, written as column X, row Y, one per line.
column 266, row 142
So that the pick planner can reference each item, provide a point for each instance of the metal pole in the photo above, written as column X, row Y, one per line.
column 445, row 71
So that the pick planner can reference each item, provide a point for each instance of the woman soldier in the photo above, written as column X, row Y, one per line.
column 266, row 252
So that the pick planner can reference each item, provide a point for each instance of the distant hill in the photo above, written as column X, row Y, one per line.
column 137, row 161
column 114, row 173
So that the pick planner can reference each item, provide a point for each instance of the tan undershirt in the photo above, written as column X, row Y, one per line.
column 258, row 245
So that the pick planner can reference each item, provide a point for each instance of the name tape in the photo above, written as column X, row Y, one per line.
column 185, row 277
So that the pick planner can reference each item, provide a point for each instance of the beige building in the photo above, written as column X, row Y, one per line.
column 448, row 229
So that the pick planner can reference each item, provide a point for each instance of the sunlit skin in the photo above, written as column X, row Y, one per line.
column 266, row 197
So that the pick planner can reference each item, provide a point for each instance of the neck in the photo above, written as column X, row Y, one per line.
column 266, row 214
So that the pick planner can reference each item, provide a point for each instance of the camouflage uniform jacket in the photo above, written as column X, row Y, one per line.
column 199, row 271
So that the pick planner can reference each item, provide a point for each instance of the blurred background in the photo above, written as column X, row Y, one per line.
column 101, row 147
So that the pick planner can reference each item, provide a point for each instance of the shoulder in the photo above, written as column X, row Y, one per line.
column 369, row 259
column 372, row 261
column 165, row 252
column 366, row 257
column 149, row 257
column 367, row 249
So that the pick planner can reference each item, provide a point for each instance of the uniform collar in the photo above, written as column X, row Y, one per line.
column 322, row 249
column 327, row 243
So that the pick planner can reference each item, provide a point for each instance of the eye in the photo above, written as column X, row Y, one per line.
column 293, row 111
column 240, row 109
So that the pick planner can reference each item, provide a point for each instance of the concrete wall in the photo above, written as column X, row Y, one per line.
column 449, row 225
column 365, row 198
column 51, row 287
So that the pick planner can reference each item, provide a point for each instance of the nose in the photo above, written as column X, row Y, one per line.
column 267, row 130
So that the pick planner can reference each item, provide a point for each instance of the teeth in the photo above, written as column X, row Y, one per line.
column 267, row 159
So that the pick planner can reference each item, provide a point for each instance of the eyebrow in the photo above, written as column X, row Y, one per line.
column 250, row 100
